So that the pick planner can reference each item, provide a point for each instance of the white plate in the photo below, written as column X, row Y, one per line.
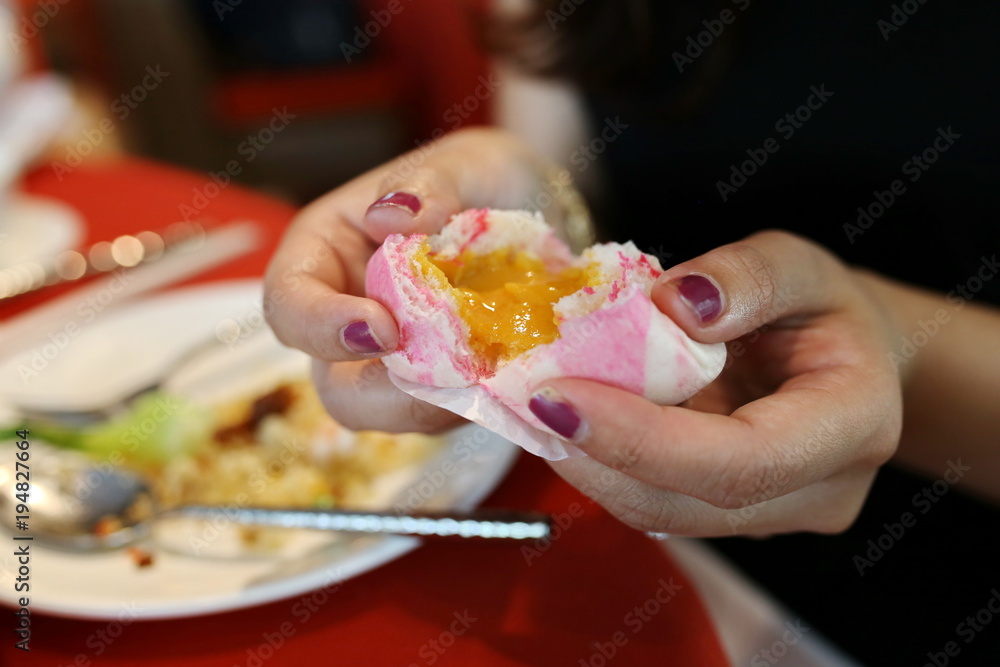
column 110, row 354
column 34, row 229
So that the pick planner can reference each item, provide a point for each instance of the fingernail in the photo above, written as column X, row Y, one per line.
column 701, row 295
column 554, row 412
column 403, row 200
column 358, row 338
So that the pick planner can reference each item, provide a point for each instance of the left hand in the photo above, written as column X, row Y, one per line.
column 788, row 438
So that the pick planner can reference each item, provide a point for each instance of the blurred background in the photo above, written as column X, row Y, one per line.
column 288, row 96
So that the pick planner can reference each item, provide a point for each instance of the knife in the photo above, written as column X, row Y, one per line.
column 218, row 246
column 103, row 257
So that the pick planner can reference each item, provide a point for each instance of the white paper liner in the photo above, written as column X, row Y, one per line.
column 479, row 406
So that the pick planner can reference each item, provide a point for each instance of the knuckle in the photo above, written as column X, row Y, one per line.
column 759, row 275
column 884, row 426
column 284, row 330
column 636, row 449
column 343, row 389
column 643, row 516
column 632, row 452
column 365, row 374
column 317, row 342
column 319, row 338
column 638, row 506
column 833, row 525
column 349, row 419
column 474, row 136
column 836, row 510
column 841, row 517
column 409, row 171
column 281, row 332
column 888, row 435
column 884, row 444
column 341, row 408
column 273, row 305
column 292, row 321
column 744, row 483
column 424, row 417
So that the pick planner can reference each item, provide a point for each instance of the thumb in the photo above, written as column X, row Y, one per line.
column 737, row 288
column 475, row 168
column 412, row 200
column 416, row 194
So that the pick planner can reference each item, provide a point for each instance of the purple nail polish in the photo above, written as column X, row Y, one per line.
column 701, row 295
column 554, row 413
column 358, row 338
column 404, row 200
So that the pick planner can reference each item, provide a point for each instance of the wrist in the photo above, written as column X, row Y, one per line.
column 899, row 308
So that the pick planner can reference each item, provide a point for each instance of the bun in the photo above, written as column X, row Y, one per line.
column 480, row 347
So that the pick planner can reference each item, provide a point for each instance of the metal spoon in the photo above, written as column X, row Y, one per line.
column 75, row 417
column 82, row 506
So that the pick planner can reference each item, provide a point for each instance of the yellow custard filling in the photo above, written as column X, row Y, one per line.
column 506, row 298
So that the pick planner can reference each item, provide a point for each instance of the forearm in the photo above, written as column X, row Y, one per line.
column 947, row 350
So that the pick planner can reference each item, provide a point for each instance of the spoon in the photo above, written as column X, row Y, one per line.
column 75, row 417
column 82, row 506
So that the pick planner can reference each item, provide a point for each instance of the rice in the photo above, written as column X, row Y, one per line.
column 295, row 456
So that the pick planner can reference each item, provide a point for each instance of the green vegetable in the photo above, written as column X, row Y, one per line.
column 157, row 428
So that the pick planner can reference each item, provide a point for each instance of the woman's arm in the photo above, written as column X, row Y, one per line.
column 947, row 349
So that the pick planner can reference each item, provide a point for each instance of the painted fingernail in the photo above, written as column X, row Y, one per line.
column 701, row 295
column 557, row 414
column 404, row 200
column 358, row 338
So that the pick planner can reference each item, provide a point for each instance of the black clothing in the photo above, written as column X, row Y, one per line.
column 916, row 104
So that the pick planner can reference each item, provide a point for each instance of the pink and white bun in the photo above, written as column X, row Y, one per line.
column 610, row 332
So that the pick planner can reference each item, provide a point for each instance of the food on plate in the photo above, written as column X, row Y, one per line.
column 495, row 304
column 276, row 448
column 140, row 557
column 281, row 448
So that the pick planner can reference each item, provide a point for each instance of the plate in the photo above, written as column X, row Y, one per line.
column 134, row 342
column 34, row 228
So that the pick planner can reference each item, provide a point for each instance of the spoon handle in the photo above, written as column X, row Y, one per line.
column 488, row 524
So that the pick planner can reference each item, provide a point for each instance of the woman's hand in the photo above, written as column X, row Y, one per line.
column 788, row 438
column 314, row 287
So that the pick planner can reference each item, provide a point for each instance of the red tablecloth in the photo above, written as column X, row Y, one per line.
column 600, row 592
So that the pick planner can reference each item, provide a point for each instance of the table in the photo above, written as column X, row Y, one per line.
column 598, row 593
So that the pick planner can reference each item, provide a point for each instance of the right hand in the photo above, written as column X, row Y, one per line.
column 314, row 287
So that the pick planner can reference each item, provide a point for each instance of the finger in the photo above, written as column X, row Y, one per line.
column 314, row 282
column 829, row 506
column 785, row 442
column 737, row 288
column 419, row 191
column 360, row 396
column 306, row 299
column 421, row 203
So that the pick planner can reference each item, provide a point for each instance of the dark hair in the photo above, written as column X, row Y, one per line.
column 616, row 47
